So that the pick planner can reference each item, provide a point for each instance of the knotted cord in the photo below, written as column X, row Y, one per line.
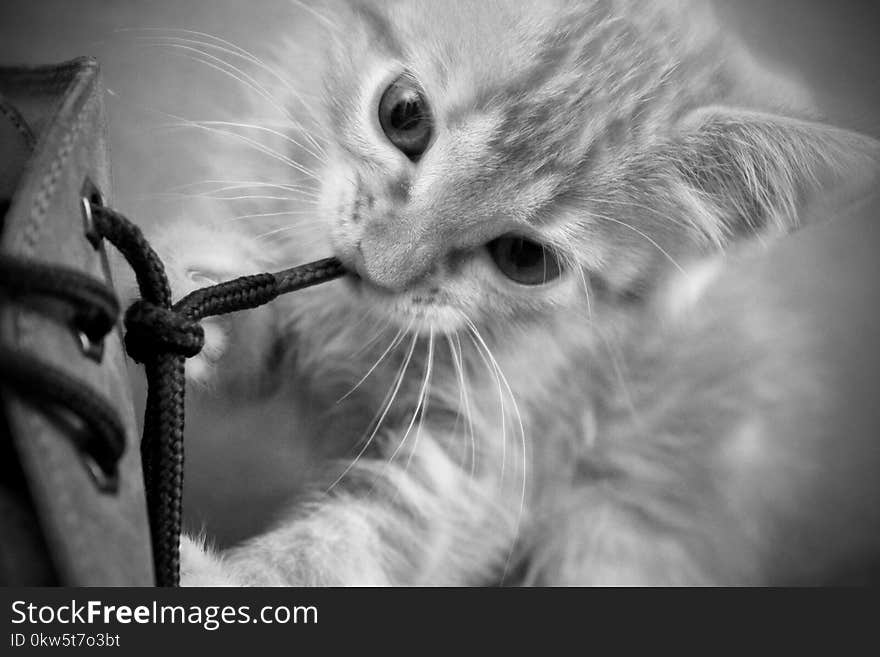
column 159, row 335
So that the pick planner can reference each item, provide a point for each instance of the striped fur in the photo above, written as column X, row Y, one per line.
column 560, row 434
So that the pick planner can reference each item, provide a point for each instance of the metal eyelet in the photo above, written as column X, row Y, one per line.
column 93, row 349
column 90, row 196
column 107, row 482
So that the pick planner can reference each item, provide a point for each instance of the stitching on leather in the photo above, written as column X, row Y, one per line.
column 43, row 197
column 17, row 121
column 33, row 228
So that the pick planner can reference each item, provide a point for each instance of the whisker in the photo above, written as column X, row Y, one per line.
column 500, row 373
column 394, row 343
column 232, row 185
column 228, row 69
column 425, row 399
column 586, row 287
column 381, row 331
column 230, row 48
column 458, row 364
column 459, row 409
column 419, row 402
column 245, row 79
column 256, row 145
column 282, row 213
column 574, row 265
column 494, row 373
column 616, row 364
column 387, row 407
column 286, row 229
column 321, row 17
column 213, row 197
column 321, row 157
column 234, row 47
column 641, row 206
column 646, row 237
column 235, row 51
column 187, row 123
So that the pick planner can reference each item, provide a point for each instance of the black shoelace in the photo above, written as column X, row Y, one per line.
column 161, row 336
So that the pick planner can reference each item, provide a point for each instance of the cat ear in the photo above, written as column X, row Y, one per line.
column 746, row 172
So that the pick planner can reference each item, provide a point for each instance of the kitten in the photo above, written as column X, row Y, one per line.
column 540, row 368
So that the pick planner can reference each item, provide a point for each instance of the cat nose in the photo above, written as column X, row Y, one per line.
column 393, row 272
column 394, row 266
column 384, row 266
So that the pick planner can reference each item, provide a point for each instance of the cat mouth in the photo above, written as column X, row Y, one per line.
column 352, row 274
column 421, row 312
column 359, row 283
column 362, row 284
column 419, row 308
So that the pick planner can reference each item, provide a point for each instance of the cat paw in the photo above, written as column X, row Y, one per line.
column 203, row 367
column 200, row 565
column 199, row 257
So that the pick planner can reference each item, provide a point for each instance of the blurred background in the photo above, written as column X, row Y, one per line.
column 233, row 487
column 833, row 46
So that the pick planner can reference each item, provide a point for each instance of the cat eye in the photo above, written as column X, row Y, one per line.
column 524, row 261
column 405, row 117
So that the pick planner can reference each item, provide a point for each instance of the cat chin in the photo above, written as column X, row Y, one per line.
column 441, row 321
column 423, row 320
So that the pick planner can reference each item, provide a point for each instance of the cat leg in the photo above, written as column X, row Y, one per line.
column 602, row 541
column 421, row 520
column 201, row 565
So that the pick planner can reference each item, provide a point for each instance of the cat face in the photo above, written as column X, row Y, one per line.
column 504, row 161
column 441, row 219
